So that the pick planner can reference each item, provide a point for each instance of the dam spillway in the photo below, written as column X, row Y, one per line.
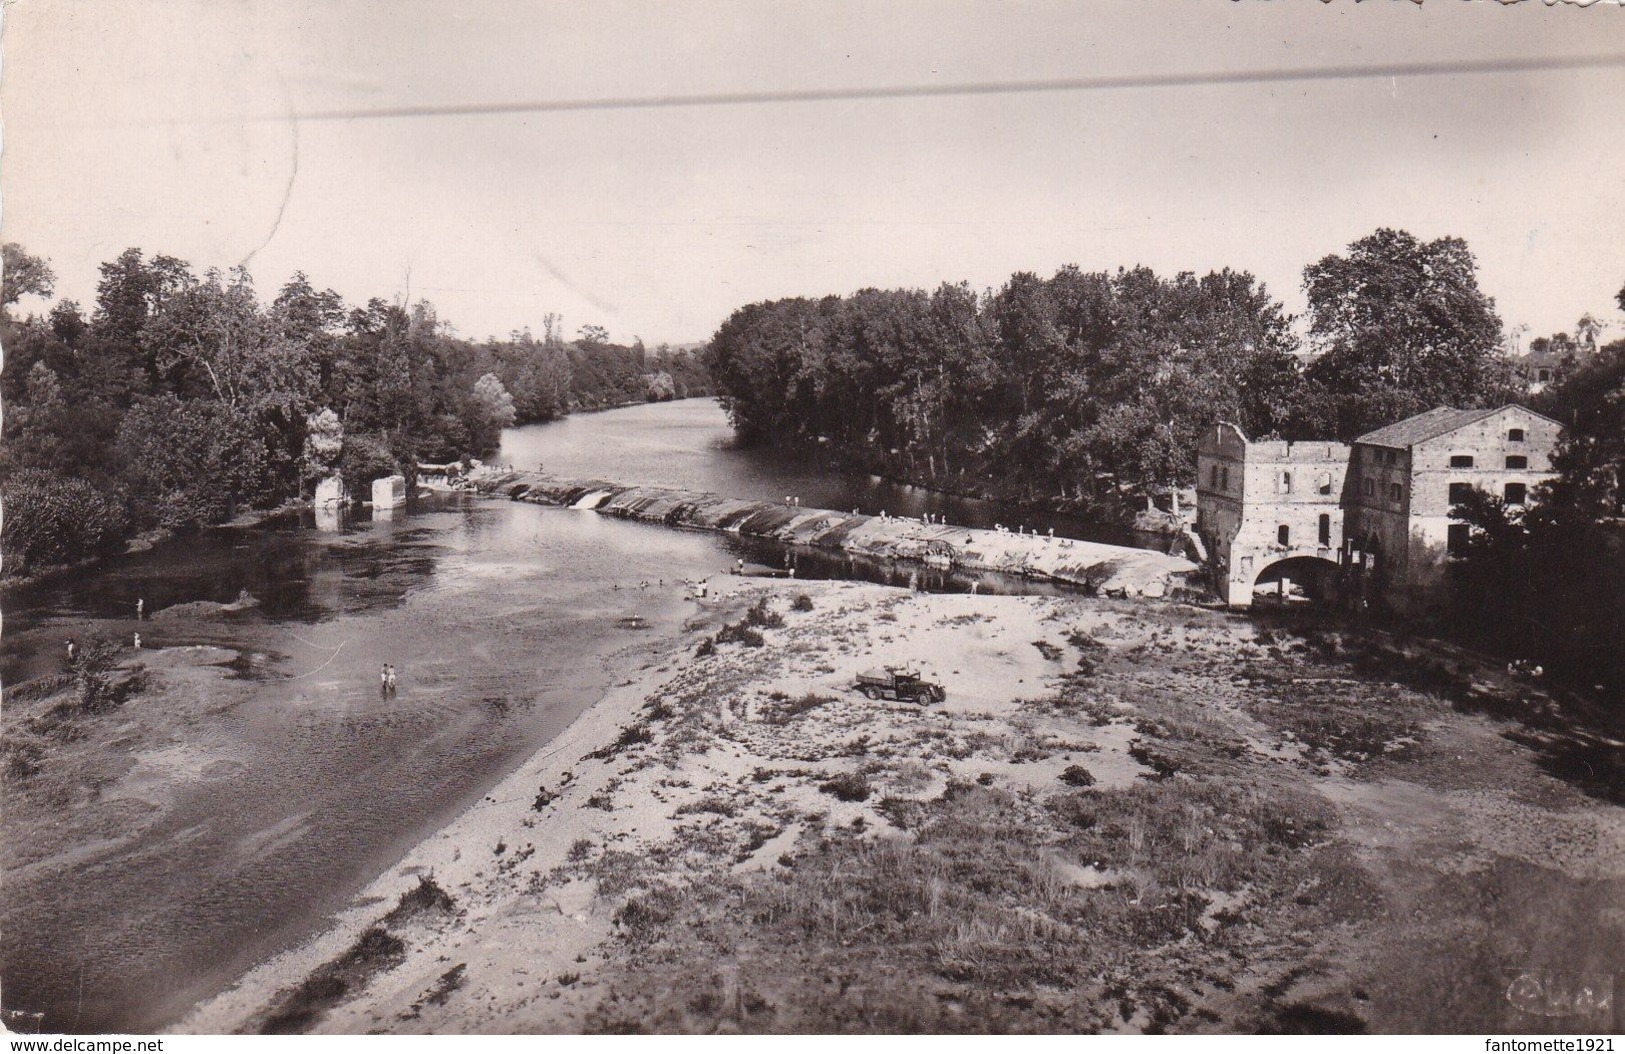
column 1094, row 566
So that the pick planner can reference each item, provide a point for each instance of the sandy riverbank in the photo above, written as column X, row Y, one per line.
column 1124, row 817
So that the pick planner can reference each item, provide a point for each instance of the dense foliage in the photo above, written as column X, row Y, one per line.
column 1400, row 326
column 1054, row 387
column 1085, row 386
column 50, row 519
column 180, row 399
column 1547, row 581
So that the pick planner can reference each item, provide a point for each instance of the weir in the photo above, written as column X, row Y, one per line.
column 1114, row 570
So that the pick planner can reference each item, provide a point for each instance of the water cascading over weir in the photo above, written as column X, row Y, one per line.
column 1113, row 570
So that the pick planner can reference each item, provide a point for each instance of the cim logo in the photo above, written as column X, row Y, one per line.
column 1555, row 993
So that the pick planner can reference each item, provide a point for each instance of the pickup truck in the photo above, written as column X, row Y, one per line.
column 897, row 682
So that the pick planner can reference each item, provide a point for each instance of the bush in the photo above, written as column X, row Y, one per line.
column 761, row 615
column 1078, row 776
column 366, row 457
column 739, row 633
column 52, row 519
column 848, row 786
column 803, row 602
column 788, row 708
column 425, row 896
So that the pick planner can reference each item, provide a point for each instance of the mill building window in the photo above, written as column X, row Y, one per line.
column 1456, row 539
column 1517, row 461
column 1283, row 534
column 1516, row 493
column 1461, row 461
column 1514, row 435
column 1325, row 529
column 1459, row 492
column 1395, row 491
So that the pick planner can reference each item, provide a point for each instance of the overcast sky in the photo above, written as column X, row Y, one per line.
column 122, row 128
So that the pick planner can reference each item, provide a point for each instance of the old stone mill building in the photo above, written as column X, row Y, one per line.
column 1366, row 520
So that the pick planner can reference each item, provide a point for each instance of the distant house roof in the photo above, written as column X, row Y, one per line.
column 1434, row 423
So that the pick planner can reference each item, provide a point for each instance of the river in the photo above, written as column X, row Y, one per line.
column 232, row 826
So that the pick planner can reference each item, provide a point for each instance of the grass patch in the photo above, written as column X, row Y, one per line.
column 424, row 897
column 712, row 804
column 739, row 633
column 374, row 952
column 786, row 709
column 974, row 918
column 759, row 614
column 848, row 786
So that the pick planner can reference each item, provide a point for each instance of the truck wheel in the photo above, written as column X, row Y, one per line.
column 872, row 693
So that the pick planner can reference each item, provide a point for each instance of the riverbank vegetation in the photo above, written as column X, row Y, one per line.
column 1087, row 387
column 179, row 399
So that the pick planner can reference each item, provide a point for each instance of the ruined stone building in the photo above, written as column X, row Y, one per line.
column 1369, row 520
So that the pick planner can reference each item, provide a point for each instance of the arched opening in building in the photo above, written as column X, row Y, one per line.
column 1296, row 580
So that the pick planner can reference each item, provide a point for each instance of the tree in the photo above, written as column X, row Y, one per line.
column 492, row 412
column 132, row 290
column 24, row 275
column 1586, row 332
column 67, row 323
column 661, row 388
column 190, row 463
column 1401, row 326
column 216, row 328
column 1589, row 402
column 324, row 443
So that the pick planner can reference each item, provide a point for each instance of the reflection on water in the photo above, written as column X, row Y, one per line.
column 689, row 444
column 305, row 781
column 301, row 780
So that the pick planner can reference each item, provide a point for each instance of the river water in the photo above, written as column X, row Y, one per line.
column 245, row 825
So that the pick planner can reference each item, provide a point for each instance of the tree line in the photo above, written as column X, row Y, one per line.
column 179, row 399
column 1086, row 386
